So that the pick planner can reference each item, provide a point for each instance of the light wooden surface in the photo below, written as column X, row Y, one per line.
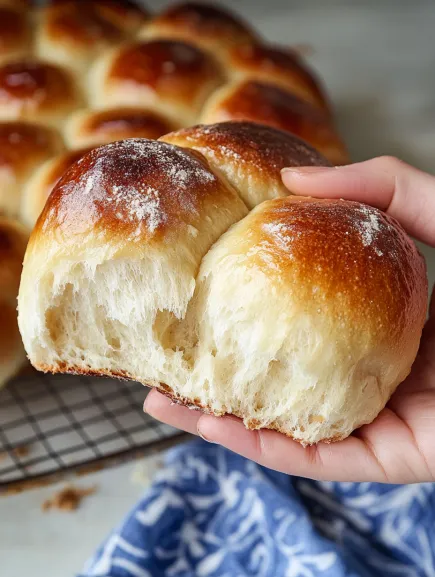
column 378, row 61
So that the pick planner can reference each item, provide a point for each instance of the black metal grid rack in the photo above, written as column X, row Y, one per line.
column 50, row 425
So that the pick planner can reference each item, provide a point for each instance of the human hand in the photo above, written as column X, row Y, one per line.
column 399, row 446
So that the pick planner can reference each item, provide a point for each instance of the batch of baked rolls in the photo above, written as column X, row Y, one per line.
column 147, row 149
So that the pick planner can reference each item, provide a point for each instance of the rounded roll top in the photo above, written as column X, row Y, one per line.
column 339, row 254
column 92, row 128
column 133, row 190
column 36, row 91
column 23, row 148
column 169, row 76
column 23, row 144
column 271, row 105
column 277, row 66
column 206, row 25
column 73, row 32
column 250, row 156
column 42, row 182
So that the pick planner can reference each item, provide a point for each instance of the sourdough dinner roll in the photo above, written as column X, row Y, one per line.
column 42, row 182
column 309, row 314
column 73, row 32
column 23, row 148
column 138, row 210
column 95, row 127
column 276, row 66
column 171, row 77
column 272, row 105
column 302, row 317
column 13, row 240
column 250, row 156
column 212, row 28
column 36, row 91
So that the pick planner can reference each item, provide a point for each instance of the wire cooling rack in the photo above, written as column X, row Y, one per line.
column 52, row 425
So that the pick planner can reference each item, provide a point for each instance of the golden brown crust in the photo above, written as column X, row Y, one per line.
column 277, row 66
column 29, row 88
column 271, row 105
column 203, row 24
column 250, row 156
column 15, row 35
column 56, row 169
column 366, row 270
column 74, row 32
column 124, row 13
column 172, row 69
column 62, row 163
column 23, row 146
column 120, row 123
column 66, row 369
column 263, row 149
column 80, row 27
column 92, row 21
column 134, row 189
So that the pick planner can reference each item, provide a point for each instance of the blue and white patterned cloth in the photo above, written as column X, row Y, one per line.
column 212, row 513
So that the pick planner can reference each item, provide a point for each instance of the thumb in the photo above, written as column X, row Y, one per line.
column 400, row 190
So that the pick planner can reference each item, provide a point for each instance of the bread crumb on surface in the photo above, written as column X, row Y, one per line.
column 20, row 451
column 68, row 498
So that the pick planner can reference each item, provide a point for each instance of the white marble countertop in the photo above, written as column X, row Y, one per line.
column 377, row 61
column 57, row 543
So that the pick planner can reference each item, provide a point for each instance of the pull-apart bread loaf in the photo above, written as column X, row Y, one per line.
column 76, row 74
column 81, row 73
column 181, row 264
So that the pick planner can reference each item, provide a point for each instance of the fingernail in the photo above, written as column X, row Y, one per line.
column 201, row 434
column 204, row 438
column 302, row 170
column 146, row 402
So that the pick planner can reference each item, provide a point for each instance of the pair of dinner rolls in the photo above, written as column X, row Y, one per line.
column 183, row 264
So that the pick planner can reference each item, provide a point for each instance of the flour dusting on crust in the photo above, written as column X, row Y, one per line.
column 347, row 219
column 140, row 183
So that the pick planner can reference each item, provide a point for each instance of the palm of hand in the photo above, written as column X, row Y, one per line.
column 401, row 439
